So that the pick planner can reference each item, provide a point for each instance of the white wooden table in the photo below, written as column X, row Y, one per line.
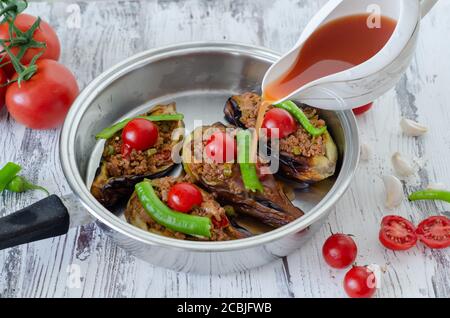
column 109, row 31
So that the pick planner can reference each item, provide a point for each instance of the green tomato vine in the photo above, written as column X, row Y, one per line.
column 9, row 9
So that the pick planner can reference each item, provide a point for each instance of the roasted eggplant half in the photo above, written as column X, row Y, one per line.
column 302, row 156
column 117, row 174
column 224, row 180
column 221, row 227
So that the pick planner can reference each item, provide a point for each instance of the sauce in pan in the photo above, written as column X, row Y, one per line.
column 334, row 47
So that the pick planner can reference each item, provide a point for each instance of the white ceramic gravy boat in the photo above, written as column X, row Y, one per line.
column 366, row 82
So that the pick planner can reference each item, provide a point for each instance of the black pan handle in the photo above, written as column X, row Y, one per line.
column 43, row 219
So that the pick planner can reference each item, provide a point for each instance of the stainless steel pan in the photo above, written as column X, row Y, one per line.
column 199, row 77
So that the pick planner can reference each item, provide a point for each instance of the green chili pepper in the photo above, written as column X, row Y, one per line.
column 295, row 111
column 110, row 131
column 19, row 184
column 248, row 170
column 176, row 221
column 229, row 210
column 7, row 173
column 9, row 180
column 151, row 151
column 227, row 169
column 430, row 194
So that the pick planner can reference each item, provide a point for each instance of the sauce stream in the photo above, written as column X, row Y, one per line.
column 334, row 47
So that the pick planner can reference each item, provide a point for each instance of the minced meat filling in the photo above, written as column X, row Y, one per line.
column 209, row 207
column 140, row 162
column 300, row 143
column 210, row 171
column 227, row 173
column 137, row 215
column 303, row 144
column 248, row 105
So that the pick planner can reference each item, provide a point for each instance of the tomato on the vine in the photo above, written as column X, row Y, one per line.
column 44, row 33
column 43, row 101
column 183, row 197
column 3, row 81
column 434, row 232
column 221, row 147
column 339, row 251
column 360, row 282
column 139, row 134
column 281, row 119
column 397, row 233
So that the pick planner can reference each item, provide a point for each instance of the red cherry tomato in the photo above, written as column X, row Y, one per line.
column 183, row 197
column 361, row 110
column 281, row 119
column 434, row 232
column 360, row 282
column 339, row 251
column 44, row 33
column 139, row 134
column 3, row 81
column 397, row 233
column 43, row 101
column 221, row 147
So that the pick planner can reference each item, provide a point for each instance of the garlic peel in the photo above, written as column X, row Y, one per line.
column 402, row 166
column 394, row 191
column 412, row 128
column 366, row 152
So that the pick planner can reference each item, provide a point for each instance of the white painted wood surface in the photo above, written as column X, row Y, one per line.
column 110, row 31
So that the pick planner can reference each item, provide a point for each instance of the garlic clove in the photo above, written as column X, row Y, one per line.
column 394, row 191
column 401, row 166
column 437, row 186
column 412, row 128
column 366, row 152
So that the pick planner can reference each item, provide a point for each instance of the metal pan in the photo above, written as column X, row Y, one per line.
column 199, row 77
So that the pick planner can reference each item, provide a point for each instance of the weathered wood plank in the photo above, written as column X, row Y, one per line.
column 113, row 30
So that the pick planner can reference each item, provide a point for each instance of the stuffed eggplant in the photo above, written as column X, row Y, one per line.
column 153, row 207
column 225, row 181
column 122, row 166
column 303, row 157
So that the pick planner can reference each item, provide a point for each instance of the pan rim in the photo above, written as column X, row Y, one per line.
column 101, row 214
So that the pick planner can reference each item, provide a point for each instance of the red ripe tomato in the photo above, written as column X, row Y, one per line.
column 44, row 33
column 360, row 282
column 43, row 101
column 139, row 134
column 339, row 251
column 221, row 147
column 183, row 197
column 361, row 110
column 434, row 232
column 281, row 119
column 397, row 233
column 3, row 81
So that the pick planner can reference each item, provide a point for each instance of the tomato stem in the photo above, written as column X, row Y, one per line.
column 17, row 38
column 11, row 8
column 329, row 227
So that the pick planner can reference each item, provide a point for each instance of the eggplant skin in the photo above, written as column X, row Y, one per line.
column 299, row 168
column 111, row 190
column 272, row 207
column 312, row 169
column 136, row 215
column 233, row 112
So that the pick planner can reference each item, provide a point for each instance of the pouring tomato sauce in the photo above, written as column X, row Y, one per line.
column 334, row 47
